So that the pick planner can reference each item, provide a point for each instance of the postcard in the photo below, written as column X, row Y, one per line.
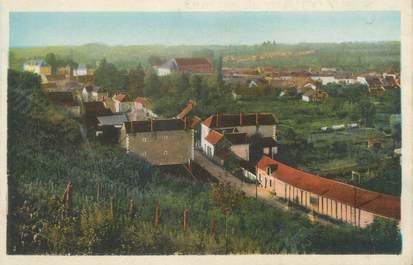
column 204, row 133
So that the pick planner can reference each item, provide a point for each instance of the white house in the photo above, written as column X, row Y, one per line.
column 324, row 79
column 90, row 93
column 81, row 70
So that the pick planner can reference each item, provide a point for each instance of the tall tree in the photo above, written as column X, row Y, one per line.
column 152, row 85
column 52, row 61
column 136, row 81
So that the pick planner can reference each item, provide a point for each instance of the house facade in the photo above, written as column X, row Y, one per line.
column 81, row 70
column 40, row 67
column 333, row 199
column 160, row 142
column 145, row 105
column 92, row 93
column 236, row 129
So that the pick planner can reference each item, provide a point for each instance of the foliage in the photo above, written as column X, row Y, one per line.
column 45, row 153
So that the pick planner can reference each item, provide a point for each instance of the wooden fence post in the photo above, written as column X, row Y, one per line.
column 131, row 208
column 213, row 227
column 113, row 208
column 186, row 219
column 157, row 213
column 68, row 198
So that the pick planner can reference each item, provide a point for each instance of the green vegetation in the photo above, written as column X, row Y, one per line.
column 109, row 206
column 379, row 56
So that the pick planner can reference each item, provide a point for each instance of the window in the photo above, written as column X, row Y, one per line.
column 164, row 137
column 270, row 183
column 165, row 153
column 144, row 139
column 144, row 154
column 313, row 201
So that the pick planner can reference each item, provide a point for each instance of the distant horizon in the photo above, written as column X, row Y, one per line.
column 44, row 29
column 200, row 45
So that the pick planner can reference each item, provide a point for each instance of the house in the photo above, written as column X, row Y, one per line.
column 239, row 144
column 39, row 66
column 109, row 126
column 66, row 100
column 390, row 82
column 375, row 85
column 145, row 105
column 316, row 96
column 326, row 197
column 191, row 65
column 346, row 78
column 81, row 70
column 122, row 103
column 324, row 78
column 92, row 93
column 93, row 110
column 185, row 112
column 236, row 129
column 160, row 142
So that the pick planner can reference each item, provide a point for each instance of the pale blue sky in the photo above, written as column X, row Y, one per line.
column 172, row 28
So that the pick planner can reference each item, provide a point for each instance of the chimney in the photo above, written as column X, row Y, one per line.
column 185, row 122
column 257, row 122
column 151, row 120
column 240, row 119
column 217, row 120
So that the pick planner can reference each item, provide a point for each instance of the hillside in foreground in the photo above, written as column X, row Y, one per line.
column 109, row 205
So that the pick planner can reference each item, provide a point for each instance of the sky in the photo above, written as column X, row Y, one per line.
column 34, row 29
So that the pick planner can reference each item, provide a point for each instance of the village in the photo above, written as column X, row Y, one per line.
column 224, row 146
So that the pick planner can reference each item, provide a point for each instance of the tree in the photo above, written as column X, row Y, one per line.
column 368, row 112
column 152, row 85
column 227, row 199
column 197, row 87
column 136, row 81
column 52, row 61
column 154, row 60
column 218, row 70
column 256, row 147
column 108, row 76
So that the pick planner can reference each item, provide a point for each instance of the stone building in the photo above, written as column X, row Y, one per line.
column 160, row 142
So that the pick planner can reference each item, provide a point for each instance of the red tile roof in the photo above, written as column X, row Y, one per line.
column 214, row 137
column 374, row 202
column 197, row 65
column 191, row 104
column 195, row 121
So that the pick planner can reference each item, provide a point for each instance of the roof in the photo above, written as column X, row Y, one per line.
column 214, row 137
column 240, row 119
column 121, row 98
column 145, row 102
column 82, row 66
column 112, row 120
column 195, row 121
column 38, row 62
column 237, row 138
column 155, row 125
column 374, row 202
column 191, row 104
column 183, row 62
